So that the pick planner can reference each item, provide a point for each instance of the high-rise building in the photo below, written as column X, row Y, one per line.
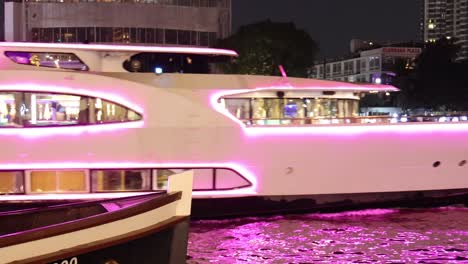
column 174, row 22
column 449, row 19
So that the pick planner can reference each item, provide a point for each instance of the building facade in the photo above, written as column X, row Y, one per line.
column 171, row 22
column 449, row 19
column 376, row 65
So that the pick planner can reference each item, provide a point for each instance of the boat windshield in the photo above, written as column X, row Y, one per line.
column 176, row 63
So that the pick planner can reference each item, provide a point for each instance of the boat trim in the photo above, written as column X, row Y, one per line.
column 67, row 227
column 341, row 130
column 81, row 91
column 240, row 168
column 101, row 47
column 140, row 114
column 79, row 250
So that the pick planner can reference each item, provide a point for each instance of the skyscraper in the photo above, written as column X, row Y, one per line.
column 449, row 19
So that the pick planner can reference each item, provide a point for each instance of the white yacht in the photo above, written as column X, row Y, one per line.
column 85, row 121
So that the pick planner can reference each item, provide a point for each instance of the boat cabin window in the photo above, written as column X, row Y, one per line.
column 11, row 182
column 68, row 61
column 60, row 181
column 286, row 111
column 209, row 179
column 175, row 63
column 29, row 109
column 121, row 180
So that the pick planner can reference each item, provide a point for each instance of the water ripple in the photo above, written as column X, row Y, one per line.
column 386, row 236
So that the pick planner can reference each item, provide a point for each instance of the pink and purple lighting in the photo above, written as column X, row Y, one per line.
column 241, row 169
column 310, row 87
column 344, row 130
column 71, row 130
column 100, row 47
column 74, row 129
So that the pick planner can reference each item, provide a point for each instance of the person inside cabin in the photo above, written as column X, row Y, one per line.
column 60, row 112
column 83, row 114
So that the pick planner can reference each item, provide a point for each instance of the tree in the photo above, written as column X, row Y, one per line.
column 437, row 80
column 265, row 45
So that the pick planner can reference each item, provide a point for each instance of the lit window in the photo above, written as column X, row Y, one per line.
column 18, row 109
column 67, row 61
column 289, row 111
column 11, row 182
column 8, row 110
column 121, row 180
column 229, row 179
column 64, row 181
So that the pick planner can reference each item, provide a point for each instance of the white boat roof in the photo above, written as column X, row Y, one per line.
column 254, row 82
column 120, row 48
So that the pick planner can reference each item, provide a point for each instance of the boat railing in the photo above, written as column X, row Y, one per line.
column 352, row 120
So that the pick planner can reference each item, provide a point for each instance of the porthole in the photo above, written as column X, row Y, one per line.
column 462, row 163
column 436, row 164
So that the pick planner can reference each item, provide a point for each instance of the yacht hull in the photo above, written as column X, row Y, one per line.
column 323, row 203
column 183, row 128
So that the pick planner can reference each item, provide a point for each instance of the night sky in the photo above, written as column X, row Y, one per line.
column 333, row 23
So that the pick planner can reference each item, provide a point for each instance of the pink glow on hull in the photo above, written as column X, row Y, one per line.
column 322, row 87
column 72, row 130
column 100, row 47
column 344, row 130
column 125, row 165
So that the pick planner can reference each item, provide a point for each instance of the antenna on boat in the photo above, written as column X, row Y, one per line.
column 282, row 71
column 284, row 81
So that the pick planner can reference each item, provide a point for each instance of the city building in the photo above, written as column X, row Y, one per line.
column 172, row 22
column 368, row 62
column 449, row 19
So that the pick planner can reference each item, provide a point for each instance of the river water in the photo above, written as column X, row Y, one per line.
column 438, row 235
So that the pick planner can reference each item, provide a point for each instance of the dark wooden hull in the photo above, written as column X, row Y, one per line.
column 168, row 245
column 142, row 229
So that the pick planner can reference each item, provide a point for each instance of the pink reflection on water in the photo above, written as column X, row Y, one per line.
column 360, row 213
column 369, row 236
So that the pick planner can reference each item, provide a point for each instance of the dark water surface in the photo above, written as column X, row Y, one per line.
column 369, row 236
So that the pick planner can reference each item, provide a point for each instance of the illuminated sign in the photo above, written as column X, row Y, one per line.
column 402, row 51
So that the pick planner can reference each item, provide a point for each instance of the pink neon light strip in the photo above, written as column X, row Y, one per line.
column 100, row 47
column 357, row 129
column 311, row 87
column 72, row 130
column 125, row 165
column 332, row 129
